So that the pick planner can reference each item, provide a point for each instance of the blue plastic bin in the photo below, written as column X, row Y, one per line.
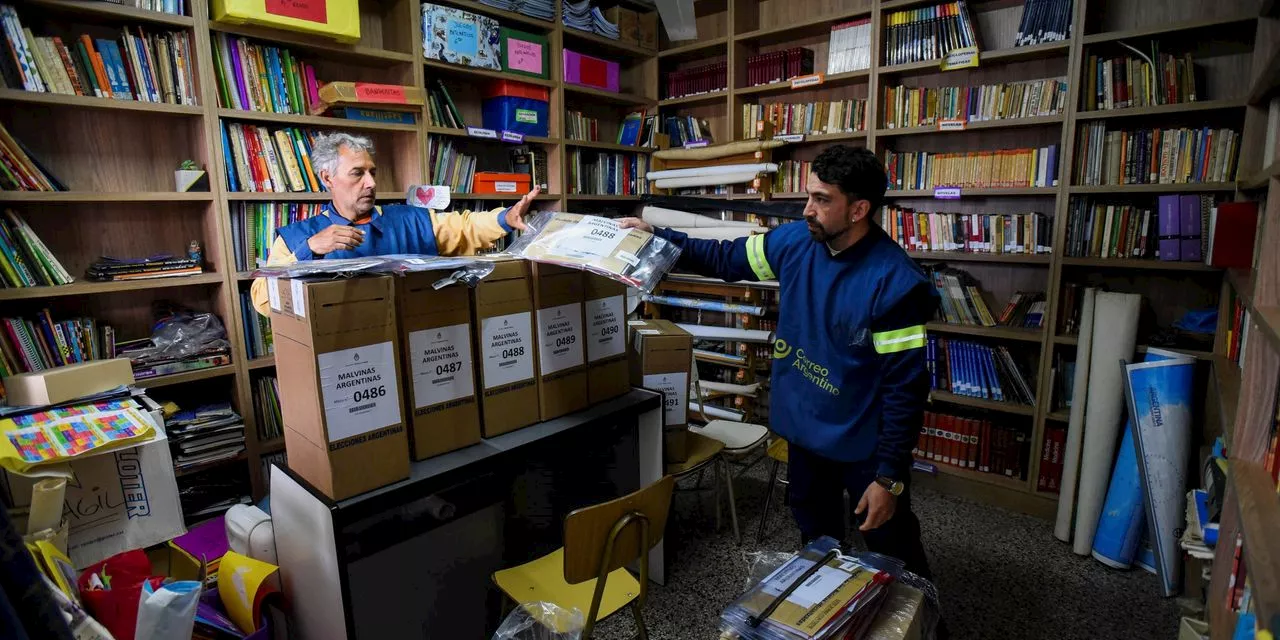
column 519, row 107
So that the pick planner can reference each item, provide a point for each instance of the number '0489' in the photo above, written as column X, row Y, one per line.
column 371, row 393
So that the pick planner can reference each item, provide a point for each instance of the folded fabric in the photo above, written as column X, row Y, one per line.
column 717, row 170
column 661, row 217
column 706, row 181
column 714, row 151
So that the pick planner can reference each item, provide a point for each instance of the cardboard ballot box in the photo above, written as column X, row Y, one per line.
column 505, row 348
column 662, row 355
column 338, row 363
column 441, row 409
column 562, row 362
column 608, row 375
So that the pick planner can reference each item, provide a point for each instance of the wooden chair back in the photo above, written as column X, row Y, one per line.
column 587, row 531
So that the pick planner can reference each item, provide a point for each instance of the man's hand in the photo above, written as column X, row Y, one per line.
column 635, row 223
column 878, row 504
column 335, row 237
column 516, row 214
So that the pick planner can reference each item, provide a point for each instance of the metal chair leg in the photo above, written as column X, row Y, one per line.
column 642, row 633
column 768, row 498
column 733, row 507
column 715, row 488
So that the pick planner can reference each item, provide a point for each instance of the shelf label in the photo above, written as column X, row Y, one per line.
column 802, row 82
column 951, row 124
column 696, row 144
column 477, row 132
column 960, row 58
column 790, row 137
column 946, row 193
column 503, row 186
column 512, row 136
column 369, row 92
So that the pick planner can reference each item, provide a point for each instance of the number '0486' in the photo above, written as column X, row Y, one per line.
column 371, row 393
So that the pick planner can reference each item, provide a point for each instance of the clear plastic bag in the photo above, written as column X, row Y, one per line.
column 180, row 336
column 541, row 621
column 466, row 269
column 633, row 257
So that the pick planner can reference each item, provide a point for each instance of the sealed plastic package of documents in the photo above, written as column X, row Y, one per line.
column 461, row 269
column 633, row 257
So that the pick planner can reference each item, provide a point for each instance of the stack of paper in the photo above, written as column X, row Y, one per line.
column 602, row 26
column 505, row 5
column 541, row 9
column 209, row 433
column 576, row 15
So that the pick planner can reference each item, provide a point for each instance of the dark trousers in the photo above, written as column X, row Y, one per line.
column 816, row 488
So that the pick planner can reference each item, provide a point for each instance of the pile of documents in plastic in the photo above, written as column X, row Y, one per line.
column 817, row 593
column 584, row 17
column 540, row 9
column 207, row 434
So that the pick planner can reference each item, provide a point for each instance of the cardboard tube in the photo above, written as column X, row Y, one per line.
column 1075, row 425
column 46, row 504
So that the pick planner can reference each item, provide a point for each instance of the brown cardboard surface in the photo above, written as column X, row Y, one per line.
column 628, row 22
column 608, row 369
column 562, row 361
column 69, row 382
column 505, row 353
column 648, row 25
column 338, row 364
column 662, row 355
column 441, row 407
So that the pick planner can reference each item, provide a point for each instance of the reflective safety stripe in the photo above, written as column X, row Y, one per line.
column 756, row 258
column 899, row 339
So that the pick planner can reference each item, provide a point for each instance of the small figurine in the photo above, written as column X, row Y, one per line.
column 194, row 252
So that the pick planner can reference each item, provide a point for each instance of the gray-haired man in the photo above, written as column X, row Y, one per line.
column 352, row 226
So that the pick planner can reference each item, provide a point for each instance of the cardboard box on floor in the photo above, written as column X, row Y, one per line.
column 562, row 362
column 662, row 355
column 505, row 349
column 337, row 360
column 608, row 372
column 441, row 408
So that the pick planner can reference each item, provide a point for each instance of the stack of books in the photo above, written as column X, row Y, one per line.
column 837, row 116
column 25, row 261
column 204, row 435
column 580, row 126
column 603, row 173
column 767, row 68
column 977, row 370
column 927, row 106
column 441, row 111
column 254, row 77
column 254, row 225
column 1007, row 168
column 1139, row 81
column 972, row 443
column 449, row 166
column 1044, row 21
column 108, row 269
column 696, row 80
column 266, row 405
column 22, row 171
column 28, row 345
column 849, row 48
column 157, row 67
column 997, row 233
column 262, row 160
column 1155, row 156
column 258, row 342
column 927, row 33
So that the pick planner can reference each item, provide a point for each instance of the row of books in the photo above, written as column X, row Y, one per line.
column 1138, row 80
column 1237, row 329
column 256, row 77
column 1044, row 21
column 976, row 370
column 449, row 166
column 637, row 130
column 25, row 261
column 1071, row 305
column 695, row 80
column 972, row 443
column 441, row 111
column 279, row 459
column 776, row 66
column 926, row 106
column 849, row 48
column 603, row 173
column 147, row 67
column 175, row 7
column 836, row 116
column 997, row 233
column 111, row 269
column 1155, row 156
column 1026, row 309
column 973, row 169
column 258, row 342
column 683, row 130
column 204, row 435
column 254, row 225
column 39, row 343
column 1099, row 230
column 928, row 33
column 580, row 126
column 962, row 301
column 532, row 161
column 1052, row 457
column 261, row 160
column 266, row 408
column 1063, row 377
column 20, row 171
column 792, row 176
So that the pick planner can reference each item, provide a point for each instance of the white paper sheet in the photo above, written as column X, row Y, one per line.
column 716, row 170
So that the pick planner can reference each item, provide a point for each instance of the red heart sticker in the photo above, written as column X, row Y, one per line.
column 425, row 194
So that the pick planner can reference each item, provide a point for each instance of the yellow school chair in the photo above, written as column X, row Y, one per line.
column 588, row 572
column 778, row 452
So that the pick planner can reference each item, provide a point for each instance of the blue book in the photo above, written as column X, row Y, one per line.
column 373, row 115
column 114, row 62
column 977, row 386
column 962, row 368
column 229, row 162
column 988, row 360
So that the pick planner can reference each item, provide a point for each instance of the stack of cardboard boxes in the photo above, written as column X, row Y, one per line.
column 376, row 370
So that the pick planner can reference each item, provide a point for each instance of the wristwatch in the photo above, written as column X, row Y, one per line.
column 894, row 487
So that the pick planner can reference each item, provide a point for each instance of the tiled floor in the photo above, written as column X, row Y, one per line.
column 1001, row 575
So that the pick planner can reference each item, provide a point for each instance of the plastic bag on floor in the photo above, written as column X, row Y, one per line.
column 541, row 621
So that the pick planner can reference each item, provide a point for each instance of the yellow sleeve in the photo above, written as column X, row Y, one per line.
column 460, row 233
column 280, row 255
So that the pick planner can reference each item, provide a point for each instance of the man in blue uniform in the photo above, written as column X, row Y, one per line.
column 849, row 378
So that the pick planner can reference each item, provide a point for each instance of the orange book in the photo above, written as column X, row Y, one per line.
column 99, row 69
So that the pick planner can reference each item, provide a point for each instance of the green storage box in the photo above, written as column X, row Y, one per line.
column 525, row 53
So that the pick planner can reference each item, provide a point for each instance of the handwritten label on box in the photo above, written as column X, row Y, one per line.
column 524, row 56
column 946, row 193
column 512, row 136
column 477, row 132
column 368, row 92
column 960, row 58
column 462, row 37
column 790, row 137
column 309, row 10
column 811, row 80
column 504, row 187
column 951, row 124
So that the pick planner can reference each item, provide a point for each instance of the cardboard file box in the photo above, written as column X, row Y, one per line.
column 338, row 363
column 337, row 19
column 608, row 373
column 505, row 349
column 69, row 382
column 662, row 355
column 517, row 184
column 562, row 362
column 589, row 71
column 441, row 409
